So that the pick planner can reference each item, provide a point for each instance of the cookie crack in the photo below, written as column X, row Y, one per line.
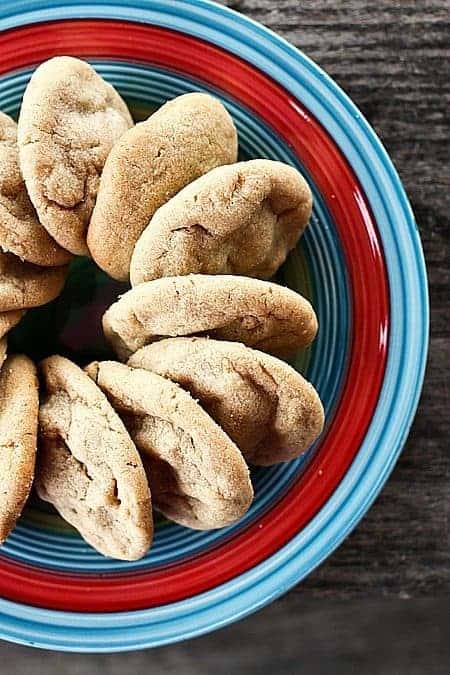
column 193, row 229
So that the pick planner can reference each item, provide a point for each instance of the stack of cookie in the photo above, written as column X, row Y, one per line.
column 198, row 390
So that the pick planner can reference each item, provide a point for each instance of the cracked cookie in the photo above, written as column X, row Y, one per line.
column 268, row 409
column 88, row 466
column 258, row 313
column 184, row 139
column 19, row 401
column 237, row 219
column 197, row 476
column 20, row 230
column 24, row 285
column 69, row 121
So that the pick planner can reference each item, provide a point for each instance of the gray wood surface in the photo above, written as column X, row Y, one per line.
column 392, row 58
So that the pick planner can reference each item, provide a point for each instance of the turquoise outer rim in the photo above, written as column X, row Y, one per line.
column 407, row 344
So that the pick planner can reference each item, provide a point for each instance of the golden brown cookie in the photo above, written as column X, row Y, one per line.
column 24, row 285
column 19, row 401
column 20, row 230
column 88, row 466
column 9, row 319
column 268, row 409
column 197, row 476
column 69, row 121
column 237, row 219
column 183, row 140
column 258, row 313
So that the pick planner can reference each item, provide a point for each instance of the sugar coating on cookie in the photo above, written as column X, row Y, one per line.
column 258, row 313
column 197, row 476
column 20, row 230
column 10, row 319
column 268, row 409
column 88, row 466
column 184, row 139
column 238, row 219
column 69, row 121
column 19, row 401
column 24, row 285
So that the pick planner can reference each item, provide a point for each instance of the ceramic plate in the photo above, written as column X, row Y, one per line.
column 360, row 263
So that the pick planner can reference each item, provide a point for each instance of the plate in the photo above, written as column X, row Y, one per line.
column 361, row 265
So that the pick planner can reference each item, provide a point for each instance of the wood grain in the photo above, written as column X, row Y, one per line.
column 392, row 58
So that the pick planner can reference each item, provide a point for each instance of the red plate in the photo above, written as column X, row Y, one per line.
column 23, row 47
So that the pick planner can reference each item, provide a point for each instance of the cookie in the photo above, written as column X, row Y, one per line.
column 19, row 401
column 20, row 230
column 24, row 285
column 237, row 219
column 268, row 409
column 258, row 313
column 69, row 121
column 9, row 319
column 88, row 466
column 184, row 139
column 197, row 476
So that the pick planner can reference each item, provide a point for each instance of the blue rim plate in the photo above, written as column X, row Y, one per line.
column 398, row 398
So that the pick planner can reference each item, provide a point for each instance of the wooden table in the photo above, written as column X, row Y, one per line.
column 390, row 57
